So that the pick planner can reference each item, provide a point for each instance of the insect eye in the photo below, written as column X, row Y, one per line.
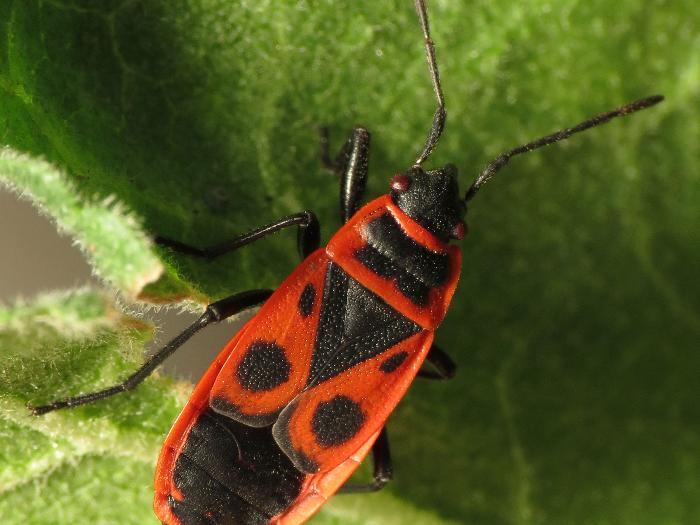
column 459, row 230
column 400, row 183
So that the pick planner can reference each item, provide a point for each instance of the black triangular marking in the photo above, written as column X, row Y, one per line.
column 355, row 325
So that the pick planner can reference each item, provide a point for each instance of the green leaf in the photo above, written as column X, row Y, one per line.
column 100, row 458
column 91, row 464
column 576, row 320
column 111, row 239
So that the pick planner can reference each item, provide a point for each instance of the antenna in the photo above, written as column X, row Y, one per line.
column 499, row 162
column 440, row 114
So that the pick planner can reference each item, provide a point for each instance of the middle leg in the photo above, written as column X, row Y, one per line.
column 308, row 237
column 351, row 165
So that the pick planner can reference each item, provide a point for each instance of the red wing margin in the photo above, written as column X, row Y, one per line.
column 269, row 364
column 326, row 424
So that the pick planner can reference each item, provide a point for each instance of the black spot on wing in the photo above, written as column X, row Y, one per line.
column 263, row 367
column 230, row 473
column 336, row 421
column 355, row 325
column 306, row 300
column 392, row 363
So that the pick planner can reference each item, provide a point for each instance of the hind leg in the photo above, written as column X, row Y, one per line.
column 383, row 470
column 215, row 312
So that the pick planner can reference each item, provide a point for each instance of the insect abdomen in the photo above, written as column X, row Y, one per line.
column 228, row 473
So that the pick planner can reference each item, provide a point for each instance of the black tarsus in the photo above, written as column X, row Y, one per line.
column 440, row 114
column 351, row 165
column 500, row 161
column 214, row 312
column 443, row 364
column 308, row 237
column 383, row 470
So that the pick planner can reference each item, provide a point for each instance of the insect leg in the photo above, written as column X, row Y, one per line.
column 351, row 165
column 308, row 237
column 214, row 312
column 444, row 366
column 383, row 471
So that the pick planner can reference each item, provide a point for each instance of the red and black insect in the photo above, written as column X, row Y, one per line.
column 300, row 395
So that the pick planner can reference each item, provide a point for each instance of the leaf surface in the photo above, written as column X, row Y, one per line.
column 576, row 323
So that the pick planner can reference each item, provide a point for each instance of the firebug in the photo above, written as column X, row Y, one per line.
column 300, row 395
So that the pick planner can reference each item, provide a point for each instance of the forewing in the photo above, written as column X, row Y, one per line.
column 269, row 364
column 330, row 421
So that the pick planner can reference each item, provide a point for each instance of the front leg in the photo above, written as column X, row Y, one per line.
column 308, row 237
column 351, row 165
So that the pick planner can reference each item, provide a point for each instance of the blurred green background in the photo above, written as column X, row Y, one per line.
column 575, row 325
